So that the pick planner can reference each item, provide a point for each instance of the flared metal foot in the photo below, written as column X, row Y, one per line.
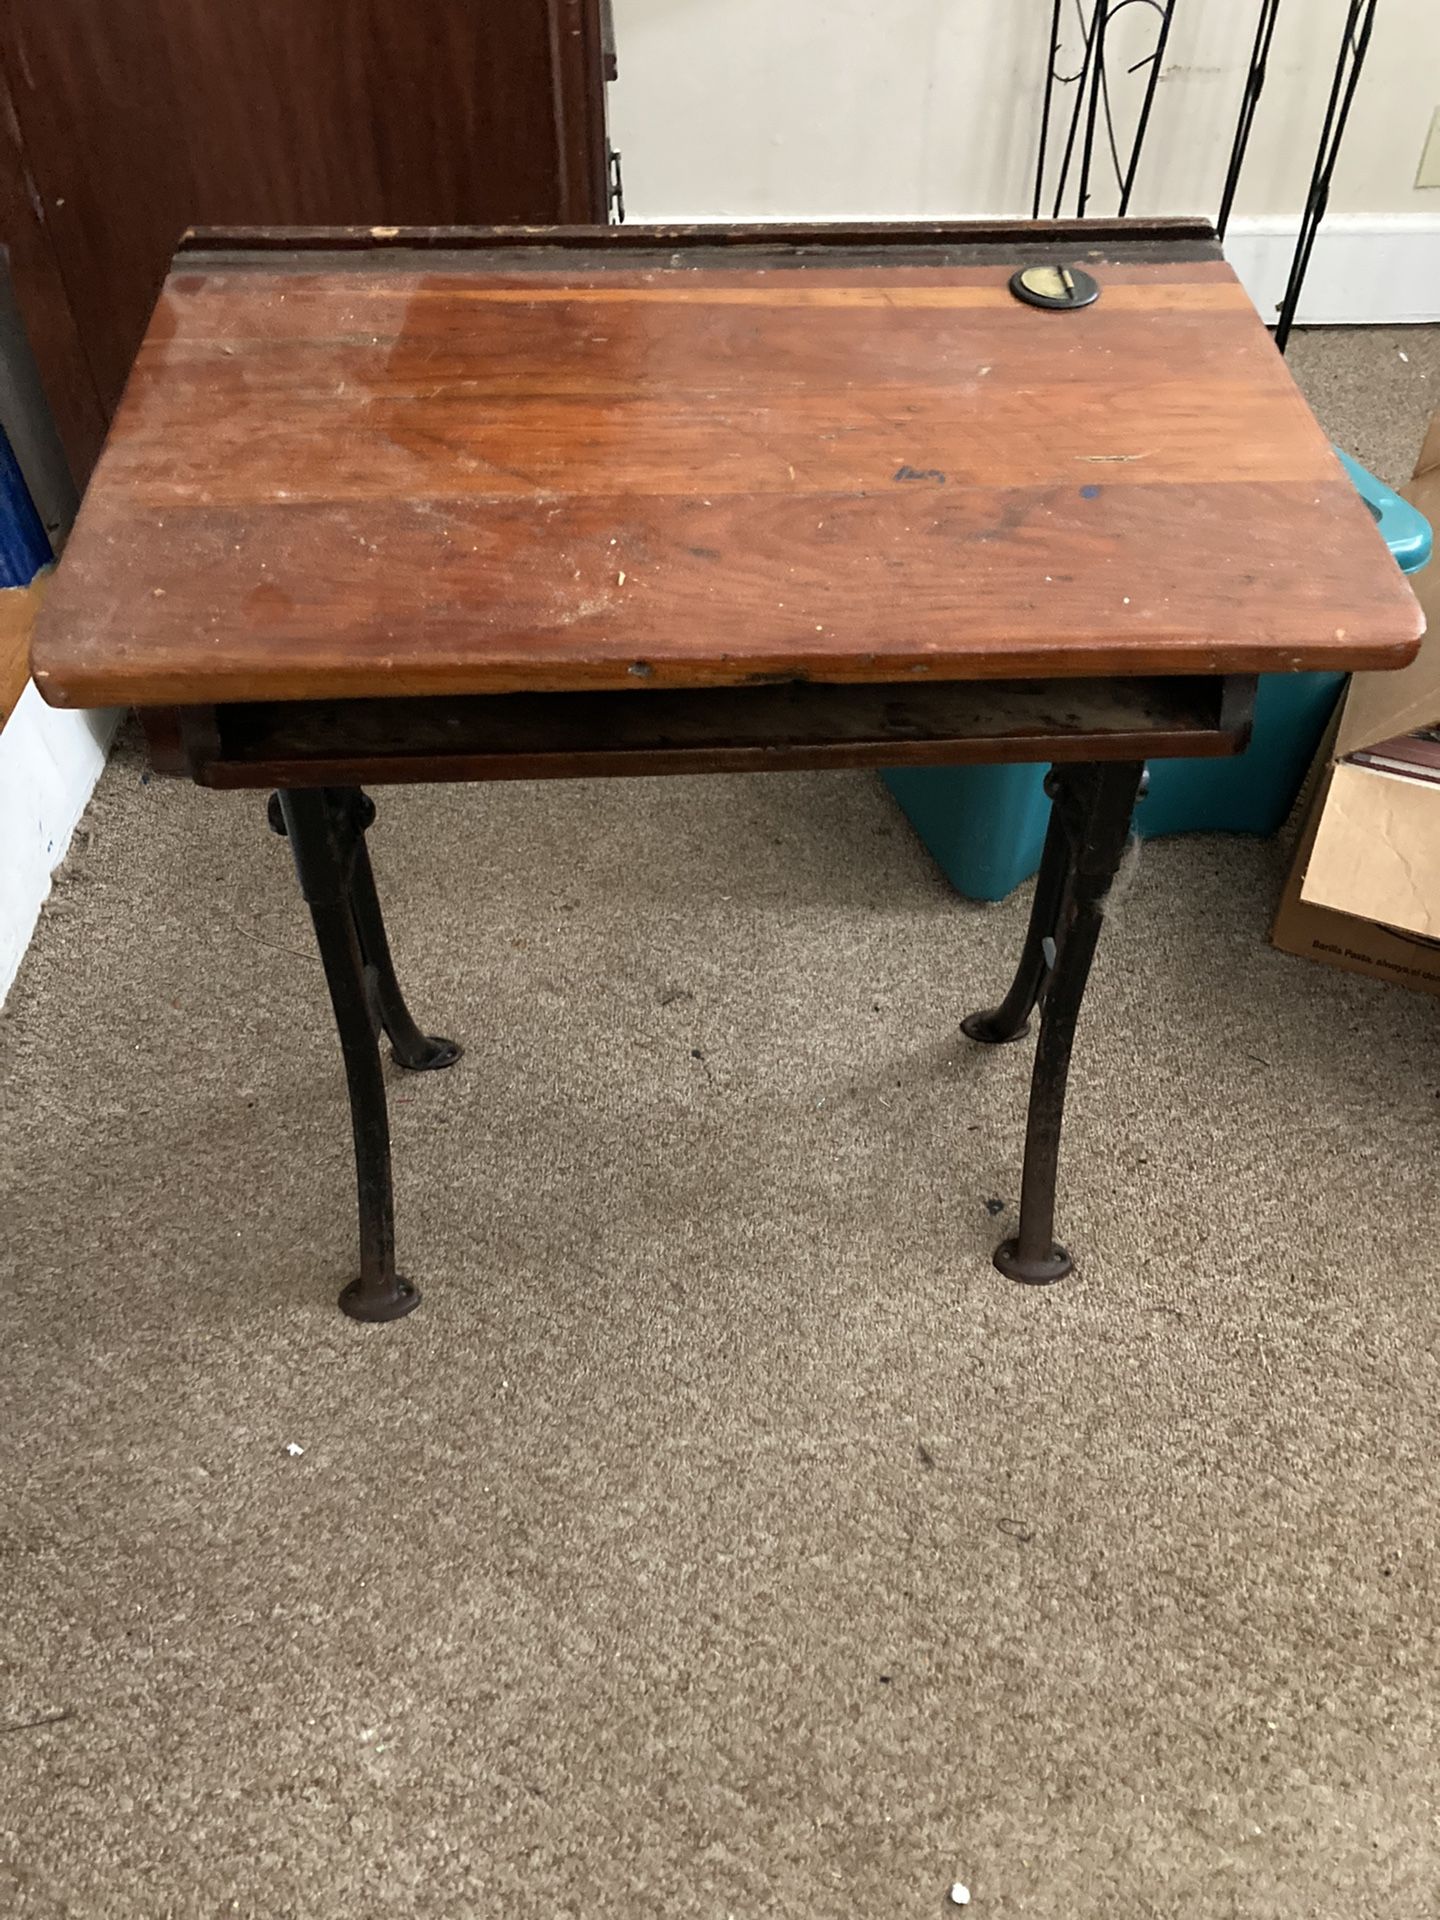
column 379, row 1303
column 433, row 1057
column 990, row 1031
column 1043, row 1271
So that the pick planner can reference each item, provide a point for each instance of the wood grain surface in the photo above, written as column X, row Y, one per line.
column 493, row 469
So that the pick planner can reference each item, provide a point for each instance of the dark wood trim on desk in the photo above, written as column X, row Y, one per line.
column 164, row 731
column 1180, row 239
column 758, row 729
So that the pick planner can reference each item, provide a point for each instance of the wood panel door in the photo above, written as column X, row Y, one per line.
column 133, row 120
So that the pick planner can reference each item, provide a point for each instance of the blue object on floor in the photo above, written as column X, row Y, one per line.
column 985, row 826
column 24, row 546
column 1407, row 532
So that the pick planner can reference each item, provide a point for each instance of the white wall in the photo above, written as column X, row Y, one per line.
column 821, row 108
column 817, row 109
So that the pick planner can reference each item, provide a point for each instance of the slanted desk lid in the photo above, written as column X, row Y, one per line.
column 379, row 466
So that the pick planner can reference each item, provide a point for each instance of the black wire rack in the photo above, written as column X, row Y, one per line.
column 1091, row 103
column 1081, row 139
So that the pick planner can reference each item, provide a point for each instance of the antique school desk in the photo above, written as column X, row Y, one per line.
column 486, row 505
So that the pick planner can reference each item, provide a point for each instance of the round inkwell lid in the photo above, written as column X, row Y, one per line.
column 1058, row 287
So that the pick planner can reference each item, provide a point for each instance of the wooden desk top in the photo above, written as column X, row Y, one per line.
column 461, row 463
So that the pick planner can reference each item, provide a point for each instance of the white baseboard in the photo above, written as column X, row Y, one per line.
column 1367, row 270
column 49, row 763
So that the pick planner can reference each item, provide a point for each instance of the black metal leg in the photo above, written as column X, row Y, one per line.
column 1091, row 816
column 1011, row 1019
column 421, row 1052
column 325, row 827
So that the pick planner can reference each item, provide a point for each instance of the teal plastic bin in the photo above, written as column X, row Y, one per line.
column 985, row 826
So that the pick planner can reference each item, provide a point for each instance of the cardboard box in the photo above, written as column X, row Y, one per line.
column 1363, row 891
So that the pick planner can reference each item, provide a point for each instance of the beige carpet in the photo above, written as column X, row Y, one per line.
column 723, row 1537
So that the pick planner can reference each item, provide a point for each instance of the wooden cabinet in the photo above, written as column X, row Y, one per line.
column 127, row 123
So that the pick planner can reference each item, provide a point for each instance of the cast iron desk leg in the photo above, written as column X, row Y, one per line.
column 421, row 1052
column 326, row 829
column 1089, row 830
column 1011, row 1019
